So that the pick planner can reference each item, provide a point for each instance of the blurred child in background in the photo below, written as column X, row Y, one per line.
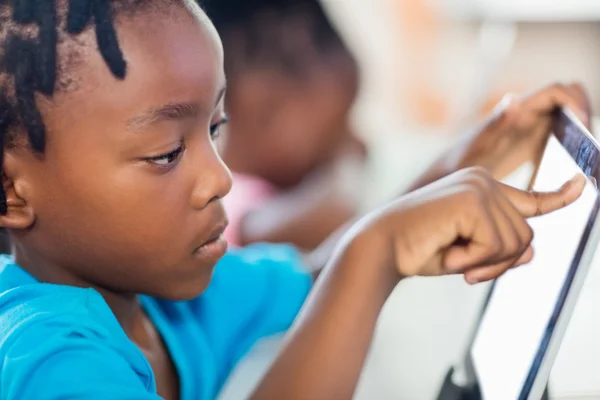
column 291, row 85
column 297, row 164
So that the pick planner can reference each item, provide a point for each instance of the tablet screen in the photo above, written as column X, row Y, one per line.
column 519, row 319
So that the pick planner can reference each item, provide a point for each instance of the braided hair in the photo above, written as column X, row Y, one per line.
column 39, row 46
column 289, row 34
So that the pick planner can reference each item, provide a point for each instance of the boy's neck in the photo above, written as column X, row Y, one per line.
column 125, row 306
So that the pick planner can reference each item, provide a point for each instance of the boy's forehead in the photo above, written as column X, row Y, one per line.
column 164, row 53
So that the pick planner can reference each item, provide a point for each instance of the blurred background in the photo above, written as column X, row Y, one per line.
column 430, row 69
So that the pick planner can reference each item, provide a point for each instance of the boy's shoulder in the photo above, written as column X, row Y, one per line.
column 33, row 312
column 49, row 333
column 24, row 303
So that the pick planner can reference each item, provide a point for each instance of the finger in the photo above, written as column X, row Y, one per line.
column 509, row 239
column 490, row 272
column 531, row 204
column 480, row 240
column 510, row 226
column 487, row 273
column 551, row 97
column 577, row 91
column 525, row 258
column 523, row 232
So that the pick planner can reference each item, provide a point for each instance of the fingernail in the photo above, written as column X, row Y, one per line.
column 576, row 179
column 471, row 280
column 566, row 185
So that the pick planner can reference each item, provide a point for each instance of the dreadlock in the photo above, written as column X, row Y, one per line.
column 39, row 48
column 290, row 34
column 31, row 35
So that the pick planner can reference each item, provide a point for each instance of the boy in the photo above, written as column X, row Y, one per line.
column 111, row 195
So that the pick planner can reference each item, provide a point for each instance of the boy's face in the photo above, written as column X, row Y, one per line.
column 129, row 187
column 282, row 128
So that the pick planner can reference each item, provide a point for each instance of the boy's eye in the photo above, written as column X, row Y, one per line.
column 166, row 160
column 215, row 129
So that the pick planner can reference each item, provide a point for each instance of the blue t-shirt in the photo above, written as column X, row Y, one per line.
column 60, row 342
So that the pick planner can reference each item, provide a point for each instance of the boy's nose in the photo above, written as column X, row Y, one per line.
column 213, row 183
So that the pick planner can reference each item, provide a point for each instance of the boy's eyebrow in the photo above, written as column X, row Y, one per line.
column 172, row 111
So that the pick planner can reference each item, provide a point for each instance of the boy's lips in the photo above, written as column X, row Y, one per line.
column 215, row 247
column 216, row 233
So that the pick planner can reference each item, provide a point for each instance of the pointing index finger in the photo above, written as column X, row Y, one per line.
column 531, row 204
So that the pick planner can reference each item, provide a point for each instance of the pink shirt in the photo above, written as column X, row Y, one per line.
column 247, row 193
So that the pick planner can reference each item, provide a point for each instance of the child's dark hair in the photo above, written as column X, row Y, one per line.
column 289, row 34
column 31, row 32
column 31, row 35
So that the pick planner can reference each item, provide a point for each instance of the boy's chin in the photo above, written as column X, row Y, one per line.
column 185, row 290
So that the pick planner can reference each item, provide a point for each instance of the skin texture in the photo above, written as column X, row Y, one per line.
column 104, row 207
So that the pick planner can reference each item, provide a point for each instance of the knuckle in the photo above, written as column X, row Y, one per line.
column 494, row 248
column 530, row 234
column 536, row 200
column 479, row 178
column 527, row 235
column 557, row 86
column 473, row 197
column 478, row 171
column 513, row 246
column 577, row 86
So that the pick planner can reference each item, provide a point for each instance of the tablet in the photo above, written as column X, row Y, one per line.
column 528, row 309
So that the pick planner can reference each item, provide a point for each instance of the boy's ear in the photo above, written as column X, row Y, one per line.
column 19, row 212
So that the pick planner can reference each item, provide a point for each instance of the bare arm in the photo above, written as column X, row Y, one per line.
column 328, row 344
column 327, row 349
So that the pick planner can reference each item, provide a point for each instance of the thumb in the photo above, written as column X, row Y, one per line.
column 531, row 204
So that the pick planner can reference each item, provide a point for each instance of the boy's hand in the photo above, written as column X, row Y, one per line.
column 518, row 129
column 466, row 223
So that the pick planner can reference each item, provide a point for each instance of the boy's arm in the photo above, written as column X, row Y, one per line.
column 331, row 337
column 415, row 236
